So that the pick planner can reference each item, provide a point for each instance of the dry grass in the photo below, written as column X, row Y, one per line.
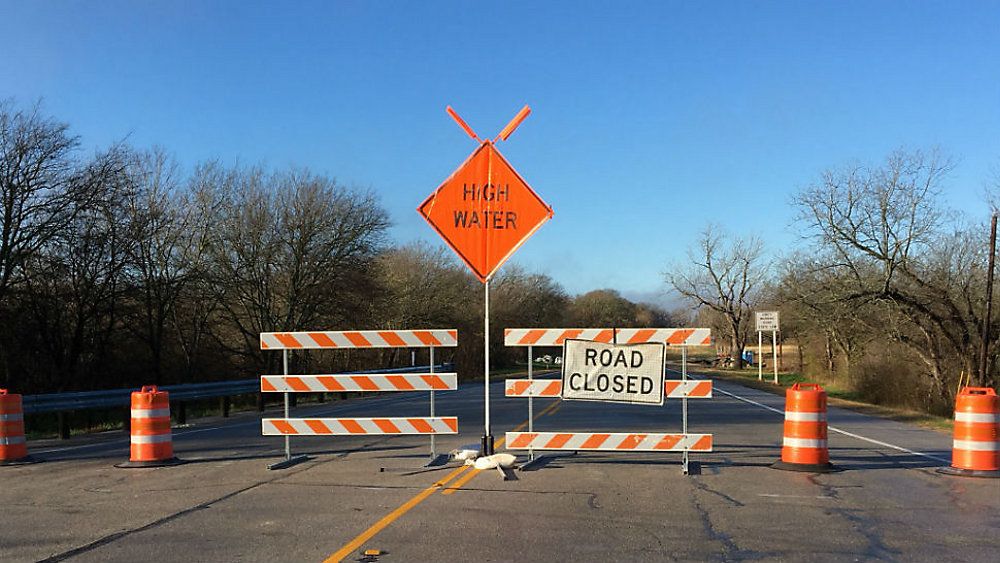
column 838, row 396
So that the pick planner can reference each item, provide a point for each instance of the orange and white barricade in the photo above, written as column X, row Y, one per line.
column 804, row 440
column 976, row 442
column 352, row 339
column 683, row 389
column 151, row 441
column 13, row 447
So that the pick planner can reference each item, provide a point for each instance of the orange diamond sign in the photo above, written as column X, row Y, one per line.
column 485, row 210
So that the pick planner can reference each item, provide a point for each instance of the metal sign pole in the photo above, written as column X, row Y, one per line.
column 760, row 356
column 531, row 409
column 684, row 404
column 288, row 439
column 487, row 437
column 433, row 451
column 774, row 354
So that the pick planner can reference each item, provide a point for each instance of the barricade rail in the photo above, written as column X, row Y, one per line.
column 683, row 389
column 377, row 380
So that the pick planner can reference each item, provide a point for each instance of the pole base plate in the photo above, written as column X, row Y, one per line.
column 26, row 460
column 285, row 463
column 806, row 467
column 144, row 464
column 969, row 472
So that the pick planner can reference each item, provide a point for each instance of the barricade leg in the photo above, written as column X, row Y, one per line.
column 13, row 446
column 151, row 441
column 804, row 446
column 976, row 442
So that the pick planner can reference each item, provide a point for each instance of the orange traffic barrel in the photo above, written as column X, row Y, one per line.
column 975, row 449
column 803, row 446
column 152, row 443
column 13, row 447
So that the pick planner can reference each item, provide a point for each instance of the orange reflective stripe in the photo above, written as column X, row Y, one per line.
column 399, row 382
column 352, row 426
column 594, row 441
column 287, row 340
column 427, row 338
column 642, row 336
column 322, row 339
column 266, row 385
column 680, row 336
column 358, row 339
column 668, row 442
column 520, row 386
column 703, row 443
column 296, row 383
column 606, row 335
column 571, row 333
column 452, row 423
column 365, row 382
column 434, row 381
column 283, row 427
column 392, row 338
column 421, row 425
column 559, row 440
column 553, row 389
column 386, row 426
column 318, row 427
column 532, row 336
column 330, row 383
column 631, row 442
column 523, row 440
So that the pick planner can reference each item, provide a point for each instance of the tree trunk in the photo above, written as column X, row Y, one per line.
column 736, row 349
column 829, row 354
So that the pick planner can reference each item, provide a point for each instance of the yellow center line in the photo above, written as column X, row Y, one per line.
column 377, row 527
column 350, row 547
column 460, row 482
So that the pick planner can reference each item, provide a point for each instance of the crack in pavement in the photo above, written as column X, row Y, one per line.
column 113, row 537
column 867, row 527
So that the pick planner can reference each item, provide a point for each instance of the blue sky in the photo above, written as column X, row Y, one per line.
column 649, row 119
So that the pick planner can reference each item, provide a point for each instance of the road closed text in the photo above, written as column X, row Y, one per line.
column 627, row 373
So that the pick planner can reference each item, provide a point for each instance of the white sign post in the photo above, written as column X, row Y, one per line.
column 617, row 373
column 767, row 321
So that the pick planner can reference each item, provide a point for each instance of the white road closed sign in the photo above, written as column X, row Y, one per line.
column 616, row 373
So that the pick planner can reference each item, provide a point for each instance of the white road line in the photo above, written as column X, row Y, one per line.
column 835, row 429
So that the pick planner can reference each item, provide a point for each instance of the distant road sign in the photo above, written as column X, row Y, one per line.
column 617, row 373
column 485, row 211
column 767, row 321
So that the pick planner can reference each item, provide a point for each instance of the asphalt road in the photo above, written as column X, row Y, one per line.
column 887, row 504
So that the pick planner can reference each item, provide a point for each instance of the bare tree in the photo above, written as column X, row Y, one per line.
column 164, row 245
column 723, row 274
column 292, row 251
column 884, row 237
column 73, row 287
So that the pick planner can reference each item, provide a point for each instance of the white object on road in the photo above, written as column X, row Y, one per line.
column 494, row 461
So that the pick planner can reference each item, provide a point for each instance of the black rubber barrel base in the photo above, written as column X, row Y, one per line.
column 144, row 464
column 26, row 460
column 806, row 467
column 969, row 472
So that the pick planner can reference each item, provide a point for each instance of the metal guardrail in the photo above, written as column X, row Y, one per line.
column 109, row 398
